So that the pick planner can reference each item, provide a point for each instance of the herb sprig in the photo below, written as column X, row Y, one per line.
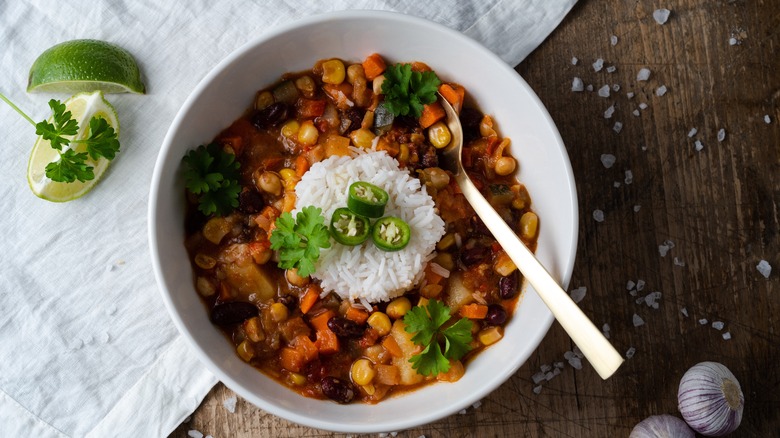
column 299, row 240
column 426, row 323
column 407, row 91
column 101, row 141
column 212, row 175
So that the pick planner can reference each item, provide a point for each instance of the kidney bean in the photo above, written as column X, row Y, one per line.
column 271, row 115
column 472, row 256
column 478, row 227
column 429, row 157
column 507, row 286
column 233, row 312
column 351, row 119
column 345, row 328
column 496, row 314
column 250, row 201
column 337, row 390
column 469, row 120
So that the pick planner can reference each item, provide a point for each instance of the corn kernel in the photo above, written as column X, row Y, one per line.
column 333, row 72
column 398, row 307
column 379, row 322
column 290, row 129
column 422, row 302
column 287, row 174
column 445, row 260
column 431, row 290
column 377, row 84
column 362, row 372
column 254, row 329
column 279, row 312
column 439, row 135
column 296, row 379
column 308, row 133
column 529, row 223
column 370, row 389
column 362, row 138
column 403, row 154
column 245, row 351
column 264, row 100
column 204, row 261
column 306, row 85
column 490, row 335
column 446, row 242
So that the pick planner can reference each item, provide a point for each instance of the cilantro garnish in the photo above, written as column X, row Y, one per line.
column 426, row 323
column 299, row 240
column 406, row 91
column 212, row 175
column 101, row 141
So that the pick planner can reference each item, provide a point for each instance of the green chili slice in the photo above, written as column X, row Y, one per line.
column 367, row 199
column 349, row 228
column 391, row 233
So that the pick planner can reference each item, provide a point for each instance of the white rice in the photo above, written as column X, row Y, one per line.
column 364, row 273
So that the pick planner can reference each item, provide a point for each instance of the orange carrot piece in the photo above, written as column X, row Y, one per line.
column 455, row 95
column 320, row 320
column 391, row 346
column 387, row 374
column 309, row 298
column 374, row 66
column 291, row 359
column 432, row 277
column 301, row 165
column 327, row 342
column 474, row 311
column 306, row 347
column 431, row 113
column 356, row 315
column 420, row 66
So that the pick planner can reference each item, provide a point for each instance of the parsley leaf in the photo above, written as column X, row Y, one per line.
column 102, row 140
column 407, row 91
column 63, row 125
column 426, row 323
column 71, row 166
column 299, row 240
column 212, row 174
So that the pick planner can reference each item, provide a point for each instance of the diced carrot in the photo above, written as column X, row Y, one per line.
column 455, row 95
column 260, row 250
column 420, row 66
column 432, row 277
column 337, row 145
column 272, row 163
column 309, row 298
column 327, row 342
column 291, row 359
column 474, row 311
column 356, row 315
column 301, row 165
column 387, row 374
column 391, row 346
column 266, row 218
column 288, row 202
column 431, row 113
column 374, row 66
column 370, row 336
column 306, row 347
column 310, row 108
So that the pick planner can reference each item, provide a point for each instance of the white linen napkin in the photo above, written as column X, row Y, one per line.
column 86, row 346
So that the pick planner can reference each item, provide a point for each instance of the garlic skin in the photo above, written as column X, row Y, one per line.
column 662, row 426
column 710, row 399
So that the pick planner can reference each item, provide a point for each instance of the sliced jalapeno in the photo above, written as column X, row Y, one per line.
column 390, row 233
column 367, row 199
column 349, row 228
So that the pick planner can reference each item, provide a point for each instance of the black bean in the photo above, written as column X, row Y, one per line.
column 250, row 201
column 351, row 119
column 345, row 328
column 479, row 227
column 337, row 390
column 271, row 115
column 472, row 256
column 496, row 314
column 429, row 157
column 469, row 120
column 507, row 286
column 234, row 312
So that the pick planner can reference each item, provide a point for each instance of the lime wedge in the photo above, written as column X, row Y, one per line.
column 85, row 65
column 83, row 107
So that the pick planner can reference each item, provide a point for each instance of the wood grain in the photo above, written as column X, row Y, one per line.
column 720, row 207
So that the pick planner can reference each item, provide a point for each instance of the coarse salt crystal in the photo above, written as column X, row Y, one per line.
column 460, row 412
column 630, row 285
column 230, row 404
column 568, row 355
column 608, row 160
column 537, row 389
column 577, row 85
column 718, row 325
column 698, row 145
column 609, row 111
column 605, row 327
column 727, row 336
column 663, row 249
column 578, row 294
column 576, row 363
column 612, row 69
column 660, row 91
column 652, row 298
column 616, row 184
column 545, row 368
column 629, row 177
column 721, row 134
column 764, row 268
column 703, row 321
column 661, row 15
column 574, row 60
column 635, row 112
column 678, row 262
column 767, row 119
column 640, row 284
column 617, row 127
column 598, row 215
column 589, row 87
column 604, row 91
column 613, row 40
column 474, row 405
column 637, row 320
column 733, row 41
column 692, row 132
column 642, row 106
column 630, row 352
column 684, row 311
column 630, row 95
column 393, row 433
column 194, row 434
column 598, row 65
column 538, row 377
column 549, row 376
column 637, row 208
column 643, row 75
column 558, row 365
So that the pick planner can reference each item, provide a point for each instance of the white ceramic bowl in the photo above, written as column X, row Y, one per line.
column 229, row 89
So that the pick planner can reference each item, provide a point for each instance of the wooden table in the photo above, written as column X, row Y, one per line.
column 718, row 209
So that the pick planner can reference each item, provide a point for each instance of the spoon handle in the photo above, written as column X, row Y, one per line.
column 596, row 348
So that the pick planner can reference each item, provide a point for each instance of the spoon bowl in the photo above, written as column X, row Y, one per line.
column 594, row 346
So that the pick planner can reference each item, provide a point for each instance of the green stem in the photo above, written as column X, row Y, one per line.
column 16, row 108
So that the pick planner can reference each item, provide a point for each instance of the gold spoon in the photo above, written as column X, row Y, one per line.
column 599, row 352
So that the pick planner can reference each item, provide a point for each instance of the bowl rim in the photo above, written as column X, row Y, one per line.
column 566, row 268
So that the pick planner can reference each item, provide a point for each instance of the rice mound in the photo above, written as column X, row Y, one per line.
column 365, row 273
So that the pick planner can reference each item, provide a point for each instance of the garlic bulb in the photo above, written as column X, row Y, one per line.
column 710, row 399
column 662, row 426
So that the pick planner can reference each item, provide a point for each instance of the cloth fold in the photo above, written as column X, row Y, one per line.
column 86, row 346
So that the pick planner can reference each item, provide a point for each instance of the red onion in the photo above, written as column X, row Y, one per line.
column 662, row 426
column 710, row 399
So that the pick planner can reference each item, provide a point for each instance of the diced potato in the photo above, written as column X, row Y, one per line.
column 407, row 374
column 249, row 279
column 458, row 294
